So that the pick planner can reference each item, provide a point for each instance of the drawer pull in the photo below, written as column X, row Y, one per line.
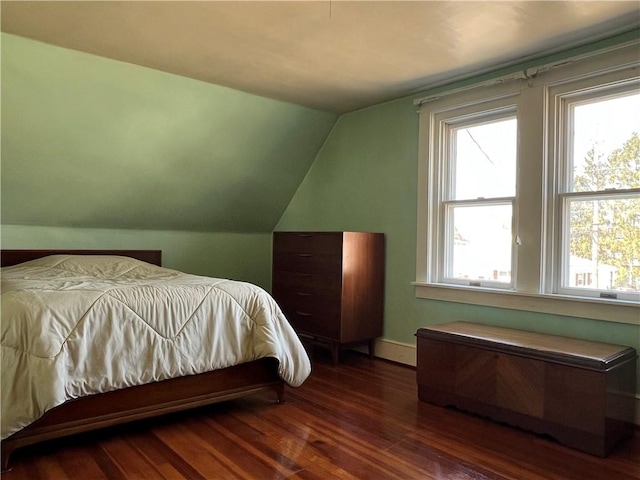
column 304, row 255
column 304, row 314
column 303, row 294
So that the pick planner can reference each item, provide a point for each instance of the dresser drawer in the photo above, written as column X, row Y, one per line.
column 311, row 303
column 312, row 263
column 320, row 302
column 314, row 323
column 319, row 243
column 285, row 281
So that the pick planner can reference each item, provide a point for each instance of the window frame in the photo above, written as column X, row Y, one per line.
column 536, row 219
column 564, row 97
column 439, row 176
column 449, row 124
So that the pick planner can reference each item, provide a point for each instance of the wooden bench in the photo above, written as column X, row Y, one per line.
column 581, row 393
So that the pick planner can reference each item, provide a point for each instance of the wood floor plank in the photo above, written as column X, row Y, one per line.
column 79, row 462
column 366, row 446
column 294, row 440
column 146, row 445
column 105, row 460
column 194, row 458
column 50, row 468
column 260, row 460
column 360, row 419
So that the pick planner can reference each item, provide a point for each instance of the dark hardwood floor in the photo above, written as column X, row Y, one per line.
column 360, row 419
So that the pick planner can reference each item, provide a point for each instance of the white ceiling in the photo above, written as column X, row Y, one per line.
column 331, row 55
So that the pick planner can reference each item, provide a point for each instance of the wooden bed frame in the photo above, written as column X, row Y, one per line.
column 144, row 401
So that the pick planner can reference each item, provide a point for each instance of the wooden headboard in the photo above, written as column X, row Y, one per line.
column 13, row 257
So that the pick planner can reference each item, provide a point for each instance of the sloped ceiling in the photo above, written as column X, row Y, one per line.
column 331, row 55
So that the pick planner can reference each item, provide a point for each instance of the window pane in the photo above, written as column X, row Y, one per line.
column 482, row 241
column 605, row 145
column 484, row 163
column 604, row 244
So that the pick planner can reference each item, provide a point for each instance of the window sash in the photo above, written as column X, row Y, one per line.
column 567, row 97
column 568, row 101
column 451, row 161
column 563, row 274
column 442, row 175
column 446, row 275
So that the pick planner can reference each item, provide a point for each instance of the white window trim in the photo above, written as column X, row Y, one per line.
column 560, row 97
column 613, row 310
column 532, row 289
column 493, row 110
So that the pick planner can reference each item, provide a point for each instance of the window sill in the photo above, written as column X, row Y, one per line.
column 607, row 310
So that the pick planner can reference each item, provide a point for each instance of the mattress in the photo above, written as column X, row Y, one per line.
column 74, row 326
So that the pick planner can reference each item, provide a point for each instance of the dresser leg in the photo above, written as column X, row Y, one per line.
column 280, row 392
column 335, row 353
column 372, row 346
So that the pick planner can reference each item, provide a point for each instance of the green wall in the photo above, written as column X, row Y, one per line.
column 238, row 256
column 97, row 143
column 103, row 154
column 364, row 179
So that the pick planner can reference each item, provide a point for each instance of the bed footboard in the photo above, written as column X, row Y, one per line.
column 146, row 401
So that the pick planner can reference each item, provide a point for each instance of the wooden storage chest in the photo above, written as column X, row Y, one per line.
column 330, row 285
column 581, row 393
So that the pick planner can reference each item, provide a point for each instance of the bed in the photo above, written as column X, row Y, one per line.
column 233, row 341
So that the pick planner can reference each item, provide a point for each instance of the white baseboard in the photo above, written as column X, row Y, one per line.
column 406, row 354
column 393, row 351
column 396, row 352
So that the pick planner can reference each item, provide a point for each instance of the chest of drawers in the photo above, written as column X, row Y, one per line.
column 330, row 285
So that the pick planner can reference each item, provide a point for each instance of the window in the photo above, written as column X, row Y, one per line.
column 478, row 162
column 599, row 192
column 529, row 190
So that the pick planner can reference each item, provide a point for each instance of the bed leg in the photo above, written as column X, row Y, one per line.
column 6, row 453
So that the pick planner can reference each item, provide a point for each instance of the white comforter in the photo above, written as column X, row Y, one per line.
column 78, row 325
